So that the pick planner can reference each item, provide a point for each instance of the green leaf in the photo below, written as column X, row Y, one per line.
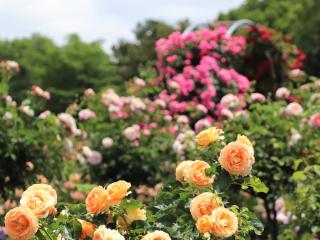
column 256, row 184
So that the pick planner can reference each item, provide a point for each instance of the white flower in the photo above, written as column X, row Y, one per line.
column 103, row 233
column 7, row 116
column 107, row 142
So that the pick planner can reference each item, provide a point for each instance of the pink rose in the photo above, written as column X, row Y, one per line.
column 257, row 97
column 315, row 120
column 132, row 133
column 282, row 93
column 294, row 109
column 86, row 114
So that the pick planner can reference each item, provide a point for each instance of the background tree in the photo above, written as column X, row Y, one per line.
column 130, row 56
column 300, row 19
column 65, row 71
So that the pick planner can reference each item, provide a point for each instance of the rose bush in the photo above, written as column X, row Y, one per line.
column 31, row 140
column 286, row 135
column 108, row 213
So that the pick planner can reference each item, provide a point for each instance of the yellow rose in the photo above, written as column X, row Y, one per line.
column 208, row 136
column 245, row 140
column 181, row 170
column 224, row 223
column 21, row 223
column 237, row 158
column 97, row 201
column 196, row 173
column 133, row 214
column 157, row 235
column 117, row 191
column 204, row 224
column 41, row 199
column 103, row 233
column 204, row 204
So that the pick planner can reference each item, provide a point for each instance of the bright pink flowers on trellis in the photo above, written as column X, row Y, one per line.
column 195, row 70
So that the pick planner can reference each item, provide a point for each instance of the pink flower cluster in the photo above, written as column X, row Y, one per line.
column 195, row 72
column 36, row 90
column 121, row 107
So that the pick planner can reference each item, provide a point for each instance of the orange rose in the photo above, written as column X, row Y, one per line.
column 117, row 191
column 224, row 222
column 21, row 223
column 181, row 170
column 97, row 201
column 204, row 224
column 204, row 204
column 196, row 174
column 87, row 229
column 237, row 158
column 157, row 235
column 40, row 201
column 208, row 136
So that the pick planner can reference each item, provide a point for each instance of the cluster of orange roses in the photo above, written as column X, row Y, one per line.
column 207, row 209
column 38, row 201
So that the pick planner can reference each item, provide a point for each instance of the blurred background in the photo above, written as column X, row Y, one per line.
column 68, row 46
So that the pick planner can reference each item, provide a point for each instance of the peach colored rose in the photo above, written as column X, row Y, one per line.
column 157, row 235
column 117, row 191
column 45, row 187
column 39, row 200
column 224, row 222
column 103, row 233
column 181, row 170
column 204, row 204
column 87, row 229
column 208, row 136
column 21, row 223
column 237, row 158
column 196, row 174
column 204, row 224
column 294, row 109
column 97, row 201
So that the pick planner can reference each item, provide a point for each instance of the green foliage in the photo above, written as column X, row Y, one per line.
column 131, row 56
column 296, row 18
column 66, row 71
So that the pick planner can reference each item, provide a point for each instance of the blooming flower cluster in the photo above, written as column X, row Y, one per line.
column 207, row 209
column 195, row 73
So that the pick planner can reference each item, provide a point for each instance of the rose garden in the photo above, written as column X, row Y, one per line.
column 219, row 139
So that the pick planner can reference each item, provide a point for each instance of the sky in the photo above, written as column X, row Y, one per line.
column 107, row 20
